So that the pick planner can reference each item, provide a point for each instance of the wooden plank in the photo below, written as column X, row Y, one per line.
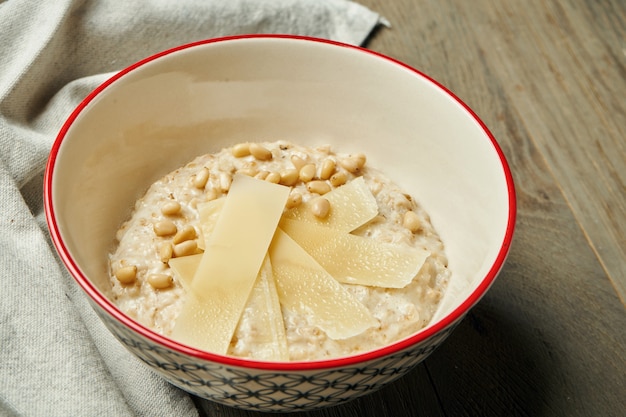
column 411, row 395
column 569, row 89
column 562, row 66
column 549, row 338
column 544, row 340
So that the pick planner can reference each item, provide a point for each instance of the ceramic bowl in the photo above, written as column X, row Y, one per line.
column 161, row 112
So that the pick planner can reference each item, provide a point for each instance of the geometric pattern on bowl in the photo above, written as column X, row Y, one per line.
column 273, row 391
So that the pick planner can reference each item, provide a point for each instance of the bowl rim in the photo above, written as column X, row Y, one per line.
column 105, row 304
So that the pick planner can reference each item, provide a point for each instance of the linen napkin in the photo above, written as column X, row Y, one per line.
column 56, row 358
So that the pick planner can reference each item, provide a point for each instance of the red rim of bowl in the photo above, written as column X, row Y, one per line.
column 112, row 310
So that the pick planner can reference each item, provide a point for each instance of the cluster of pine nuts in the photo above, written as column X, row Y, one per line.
column 331, row 173
column 222, row 183
column 177, row 242
column 318, row 179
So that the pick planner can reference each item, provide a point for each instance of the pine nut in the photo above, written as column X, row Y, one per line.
column 352, row 164
column 126, row 275
column 338, row 179
column 289, row 177
column 327, row 169
column 318, row 187
column 240, row 150
column 164, row 228
column 165, row 252
column 260, row 152
column 261, row 175
column 297, row 162
column 250, row 171
column 211, row 194
column 321, row 208
column 185, row 248
column 307, row 172
column 294, row 199
column 250, row 168
column 273, row 177
column 188, row 232
column 361, row 158
column 160, row 281
column 225, row 181
column 411, row 221
column 201, row 178
column 170, row 208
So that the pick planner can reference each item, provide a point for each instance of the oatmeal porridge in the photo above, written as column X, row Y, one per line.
column 363, row 215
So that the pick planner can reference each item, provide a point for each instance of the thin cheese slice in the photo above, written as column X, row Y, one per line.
column 352, row 205
column 184, row 268
column 209, row 213
column 355, row 259
column 199, row 325
column 229, row 266
column 303, row 285
column 265, row 318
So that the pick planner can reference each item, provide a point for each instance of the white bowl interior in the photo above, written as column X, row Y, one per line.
column 197, row 100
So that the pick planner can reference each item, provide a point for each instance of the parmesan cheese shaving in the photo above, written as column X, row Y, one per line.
column 351, row 206
column 234, row 253
column 263, row 303
column 355, row 259
column 305, row 286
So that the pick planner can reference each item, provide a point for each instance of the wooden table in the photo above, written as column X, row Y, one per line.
column 548, row 77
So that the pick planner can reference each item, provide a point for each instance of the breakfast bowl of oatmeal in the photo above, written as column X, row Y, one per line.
column 278, row 223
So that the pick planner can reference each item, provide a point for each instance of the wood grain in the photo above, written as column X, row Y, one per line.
column 548, row 339
column 544, row 340
column 548, row 77
column 561, row 66
column 569, row 91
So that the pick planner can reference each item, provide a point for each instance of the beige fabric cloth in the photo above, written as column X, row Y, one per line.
column 56, row 358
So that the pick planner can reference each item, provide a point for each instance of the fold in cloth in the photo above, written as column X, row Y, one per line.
column 56, row 357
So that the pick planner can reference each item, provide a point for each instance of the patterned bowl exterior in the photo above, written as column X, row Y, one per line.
column 272, row 391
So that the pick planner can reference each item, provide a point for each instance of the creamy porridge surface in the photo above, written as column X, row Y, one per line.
column 154, row 297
